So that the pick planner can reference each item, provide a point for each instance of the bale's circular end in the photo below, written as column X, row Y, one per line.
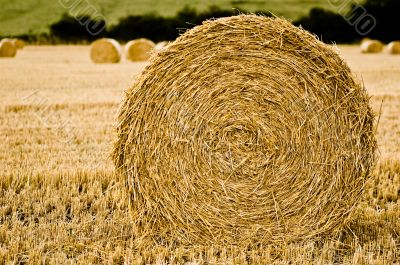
column 139, row 50
column 394, row 47
column 7, row 48
column 244, row 130
column 372, row 46
column 105, row 51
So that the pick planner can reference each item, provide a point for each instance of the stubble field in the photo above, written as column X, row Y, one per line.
column 61, row 202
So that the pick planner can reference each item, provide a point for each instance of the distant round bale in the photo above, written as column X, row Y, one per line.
column 372, row 46
column 7, row 48
column 246, row 130
column 139, row 49
column 161, row 45
column 394, row 47
column 105, row 51
column 20, row 44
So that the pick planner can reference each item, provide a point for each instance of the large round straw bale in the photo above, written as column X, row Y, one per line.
column 394, row 47
column 246, row 129
column 105, row 51
column 139, row 50
column 371, row 46
column 7, row 48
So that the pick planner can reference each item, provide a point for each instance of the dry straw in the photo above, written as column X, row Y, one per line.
column 139, row 50
column 105, row 51
column 371, row 46
column 394, row 47
column 7, row 48
column 245, row 130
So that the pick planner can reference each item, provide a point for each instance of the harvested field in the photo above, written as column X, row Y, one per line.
column 60, row 200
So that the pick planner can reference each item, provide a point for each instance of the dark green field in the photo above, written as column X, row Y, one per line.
column 35, row 16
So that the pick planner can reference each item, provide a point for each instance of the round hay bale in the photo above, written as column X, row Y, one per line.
column 371, row 46
column 7, row 48
column 139, row 50
column 394, row 47
column 246, row 129
column 161, row 45
column 20, row 44
column 105, row 51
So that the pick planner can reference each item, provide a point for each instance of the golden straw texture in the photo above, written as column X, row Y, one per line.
column 244, row 130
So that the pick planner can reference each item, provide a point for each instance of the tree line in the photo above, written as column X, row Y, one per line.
column 373, row 19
